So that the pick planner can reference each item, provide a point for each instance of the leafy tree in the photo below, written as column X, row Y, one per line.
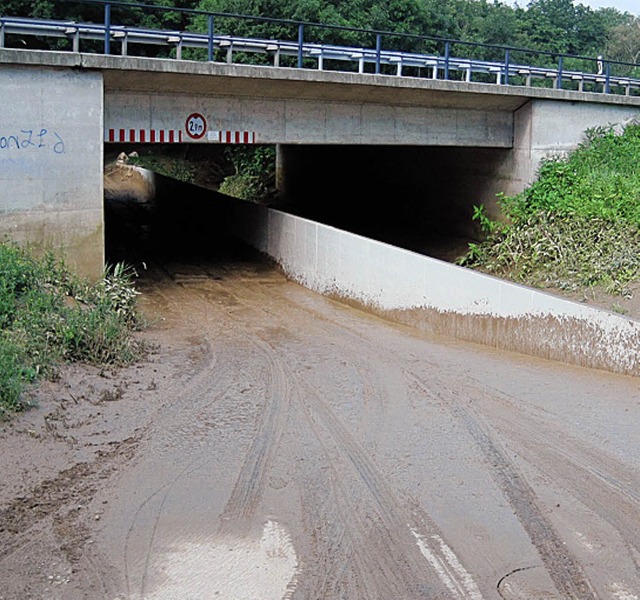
column 624, row 41
column 496, row 23
column 550, row 25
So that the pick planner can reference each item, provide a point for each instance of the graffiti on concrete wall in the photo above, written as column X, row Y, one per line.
column 25, row 140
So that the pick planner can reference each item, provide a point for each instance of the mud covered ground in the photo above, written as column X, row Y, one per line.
column 277, row 444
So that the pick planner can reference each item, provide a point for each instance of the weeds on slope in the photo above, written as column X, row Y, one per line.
column 577, row 226
column 49, row 316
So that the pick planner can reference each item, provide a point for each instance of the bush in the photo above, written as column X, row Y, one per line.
column 577, row 226
column 254, row 179
column 601, row 179
column 49, row 316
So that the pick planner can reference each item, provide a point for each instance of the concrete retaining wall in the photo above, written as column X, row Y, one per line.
column 439, row 297
column 51, row 162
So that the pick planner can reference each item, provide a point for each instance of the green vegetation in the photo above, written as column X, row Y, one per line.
column 175, row 167
column 245, row 172
column 577, row 226
column 255, row 172
column 49, row 316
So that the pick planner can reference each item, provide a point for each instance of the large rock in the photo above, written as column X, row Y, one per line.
column 123, row 181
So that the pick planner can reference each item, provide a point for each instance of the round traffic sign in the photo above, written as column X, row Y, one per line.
column 196, row 126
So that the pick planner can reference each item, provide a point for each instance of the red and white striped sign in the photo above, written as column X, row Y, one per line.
column 144, row 136
column 233, row 137
column 175, row 136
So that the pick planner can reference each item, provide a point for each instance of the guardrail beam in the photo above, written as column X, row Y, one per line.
column 446, row 66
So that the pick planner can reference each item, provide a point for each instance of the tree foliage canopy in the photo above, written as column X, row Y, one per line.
column 559, row 26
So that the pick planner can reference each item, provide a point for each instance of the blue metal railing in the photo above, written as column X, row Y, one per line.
column 387, row 53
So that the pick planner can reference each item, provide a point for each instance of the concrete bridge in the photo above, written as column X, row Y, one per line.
column 474, row 140
column 59, row 109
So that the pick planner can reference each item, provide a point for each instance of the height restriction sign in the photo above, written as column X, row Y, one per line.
column 196, row 126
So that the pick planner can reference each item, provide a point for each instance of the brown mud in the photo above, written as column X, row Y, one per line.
column 278, row 444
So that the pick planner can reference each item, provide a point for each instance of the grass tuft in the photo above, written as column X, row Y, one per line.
column 49, row 316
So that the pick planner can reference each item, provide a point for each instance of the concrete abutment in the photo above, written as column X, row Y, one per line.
column 51, row 180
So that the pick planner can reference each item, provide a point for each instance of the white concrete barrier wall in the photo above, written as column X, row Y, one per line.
column 439, row 297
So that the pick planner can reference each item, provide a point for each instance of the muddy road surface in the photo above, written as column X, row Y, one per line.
column 278, row 444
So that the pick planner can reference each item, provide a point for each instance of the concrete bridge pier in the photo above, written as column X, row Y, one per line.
column 546, row 128
column 51, row 162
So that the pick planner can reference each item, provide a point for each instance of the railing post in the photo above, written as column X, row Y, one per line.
column 210, row 40
column 560, row 68
column 300, row 41
column 378, row 50
column 607, row 82
column 447, row 51
column 507, row 60
column 107, row 28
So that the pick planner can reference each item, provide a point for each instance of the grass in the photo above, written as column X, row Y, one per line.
column 50, row 316
column 577, row 227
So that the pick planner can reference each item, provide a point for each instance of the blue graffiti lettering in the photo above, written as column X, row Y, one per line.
column 41, row 135
column 5, row 142
column 58, row 147
column 26, row 139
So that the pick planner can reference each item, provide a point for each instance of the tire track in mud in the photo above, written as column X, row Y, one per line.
column 584, row 473
column 399, row 563
column 564, row 569
column 210, row 383
column 573, row 449
column 249, row 485
column 444, row 566
column 587, row 472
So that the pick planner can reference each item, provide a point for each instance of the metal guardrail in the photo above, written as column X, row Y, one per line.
column 322, row 56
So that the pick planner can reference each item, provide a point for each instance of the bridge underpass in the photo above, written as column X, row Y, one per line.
column 417, row 198
column 51, row 184
column 300, row 447
column 128, row 97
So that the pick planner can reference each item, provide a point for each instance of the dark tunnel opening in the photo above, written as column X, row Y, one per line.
column 159, row 218
column 418, row 198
